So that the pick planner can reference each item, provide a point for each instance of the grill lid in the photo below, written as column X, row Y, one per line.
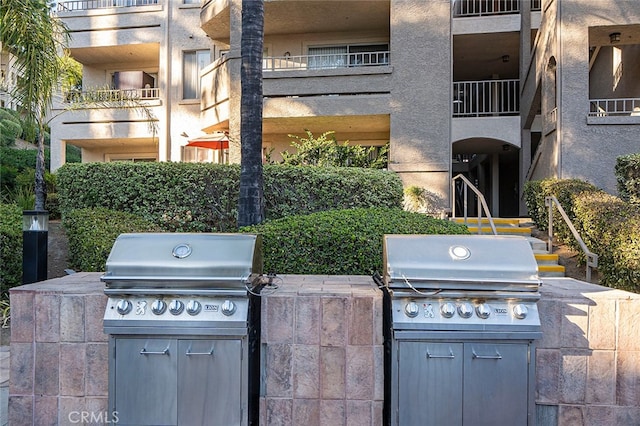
column 459, row 262
column 174, row 260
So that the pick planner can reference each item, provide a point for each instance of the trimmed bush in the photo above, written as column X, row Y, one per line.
column 189, row 197
column 628, row 177
column 611, row 228
column 92, row 232
column 10, row 248
column 340, row 241
column 565, row 190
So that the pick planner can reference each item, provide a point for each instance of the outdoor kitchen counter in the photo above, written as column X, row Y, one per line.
column 322, row 339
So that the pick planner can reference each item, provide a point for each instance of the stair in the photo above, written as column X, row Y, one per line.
column 548, row 264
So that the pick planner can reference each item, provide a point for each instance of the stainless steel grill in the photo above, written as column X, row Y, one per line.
column 183, row 325
column 461, row 321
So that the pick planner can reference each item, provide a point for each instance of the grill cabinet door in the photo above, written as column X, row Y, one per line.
column 496, row 384
column 429, row 384
column 145, row 381
column 210, row 382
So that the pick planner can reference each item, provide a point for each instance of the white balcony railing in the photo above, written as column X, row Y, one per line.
column 112, row 95
column 485, row 98
column 331, row 61
column 614, row 107
column 70, row 5
column 464, row 8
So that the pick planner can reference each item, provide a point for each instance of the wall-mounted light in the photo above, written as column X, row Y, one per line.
column 505, row 58
column 287, row 54
column 506, row 147
column 614, row 38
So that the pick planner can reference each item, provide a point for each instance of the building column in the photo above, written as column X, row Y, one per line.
column 58, row 152
column 524, row 161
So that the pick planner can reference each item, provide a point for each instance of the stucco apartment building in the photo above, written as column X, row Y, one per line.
column 500, row 90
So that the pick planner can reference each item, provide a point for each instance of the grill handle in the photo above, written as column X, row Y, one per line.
column 476, row 356
column 188, row 353
column 144, row 351
column 450, row 356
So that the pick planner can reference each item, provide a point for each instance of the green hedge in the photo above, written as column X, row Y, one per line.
column 565, row 191
column 628, row 177
column 340, row 241
column 10, row 248
column 610, row 227
column 92, row 232
column 188, row 197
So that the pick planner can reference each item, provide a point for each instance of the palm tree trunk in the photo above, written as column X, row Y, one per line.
column 251, row 204
column 40, row 186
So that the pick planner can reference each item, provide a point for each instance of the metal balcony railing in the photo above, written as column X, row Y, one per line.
column 329, row 61
column 614, row 107
column 71, row 5
column 112, row 95
column 464, row 8
column 486, row 98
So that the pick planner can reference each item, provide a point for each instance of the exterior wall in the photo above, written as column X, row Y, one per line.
column 323, row 353
column 577, row 146
column 151, row 39
column 421, row 95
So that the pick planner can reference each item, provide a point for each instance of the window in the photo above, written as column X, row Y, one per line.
column 193, row 63
column 617, row 66
column 348, row 56
column 190, row 1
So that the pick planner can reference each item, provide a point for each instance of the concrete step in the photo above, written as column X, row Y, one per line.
column 547, row 258
column 502, row 230
column 498, row 221
column 551, row 271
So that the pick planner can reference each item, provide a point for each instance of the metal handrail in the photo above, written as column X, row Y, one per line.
column 482, row 204
column 592, row 258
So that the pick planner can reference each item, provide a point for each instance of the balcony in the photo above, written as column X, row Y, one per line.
column 466, row 8
column 72, row 5
column 614, row 111
column 486, row 98
column 323, row 62
column 104, row 96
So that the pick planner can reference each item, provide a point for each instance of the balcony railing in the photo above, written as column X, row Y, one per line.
column 614, row 107
column 485, row 98
column 70, row 5
column 330, row 61
column 112, row 95
column 464, row 8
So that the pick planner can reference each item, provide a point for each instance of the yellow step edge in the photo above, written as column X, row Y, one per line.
column 551, row 268
column 546, row 256
column 485, row 221
column 505, row 230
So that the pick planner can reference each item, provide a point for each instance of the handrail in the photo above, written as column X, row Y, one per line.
column 592, row 258
column 482, row 204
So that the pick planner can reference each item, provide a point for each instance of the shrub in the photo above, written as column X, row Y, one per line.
column 92, row 232
column 564, row 190
column 628, row 177
column 610, row 228
column 9, row 132
column 10, row 248
column 188, row 197
column 340, row 241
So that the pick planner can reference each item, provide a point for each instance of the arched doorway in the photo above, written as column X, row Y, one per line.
column 492, row 165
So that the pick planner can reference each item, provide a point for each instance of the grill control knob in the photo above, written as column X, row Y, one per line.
column 412, row 309
column 448, row 309
column 483, row 310
column 176, row 307
column 228, row 307
column 158, row 307
column 465, row 310
column 520, row 311
column 123, row 307
column 193, row 307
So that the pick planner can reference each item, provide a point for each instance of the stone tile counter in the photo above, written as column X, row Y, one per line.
column 59, row 364
column 324, row 356
column 322, row 353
